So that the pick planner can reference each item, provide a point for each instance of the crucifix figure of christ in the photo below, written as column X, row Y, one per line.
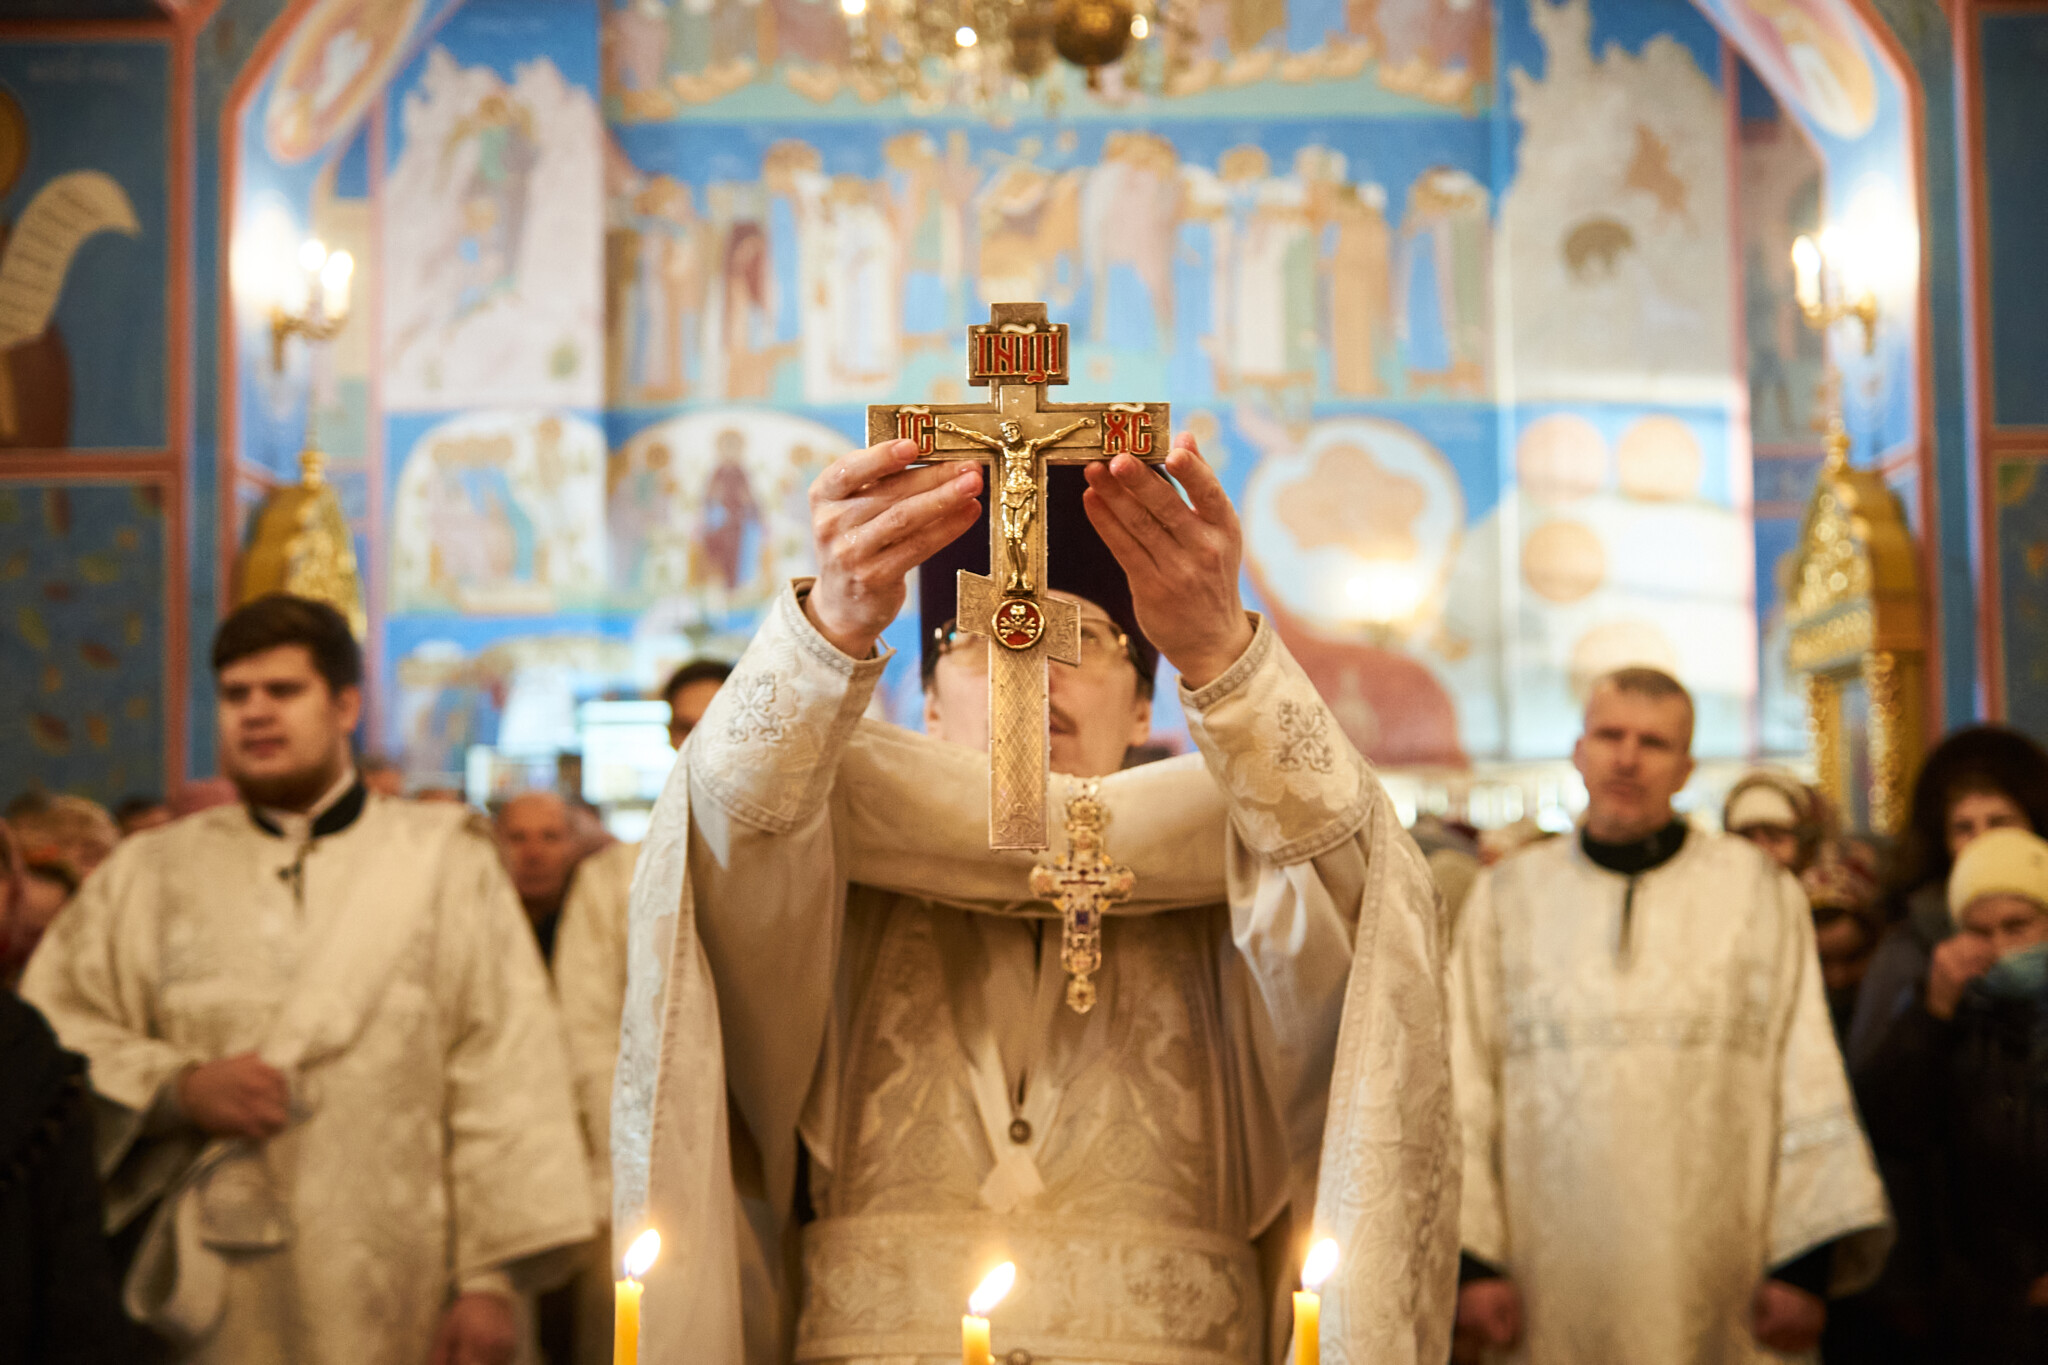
column 1083, row 883
column 1015, row 355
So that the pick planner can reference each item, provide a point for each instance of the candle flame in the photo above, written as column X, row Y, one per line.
column 990, row 1291
column 640, row 1256
column 1322, row 1259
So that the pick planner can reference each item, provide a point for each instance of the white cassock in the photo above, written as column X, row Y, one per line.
column 590, row 984
column 1654, row 1110
column 825, row 954
column 387, row 969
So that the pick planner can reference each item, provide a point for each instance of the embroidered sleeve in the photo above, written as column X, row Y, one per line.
column 766, row 749
column 1296, row 785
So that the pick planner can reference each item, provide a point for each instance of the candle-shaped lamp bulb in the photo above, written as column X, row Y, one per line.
column 1806, row 273
column 312, row 255
column 974, row 1328
column 626, row 1324
column 335, row 274
column 1308, row 1304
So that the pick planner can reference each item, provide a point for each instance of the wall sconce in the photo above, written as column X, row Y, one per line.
column 1832, row 282
column 326, row 275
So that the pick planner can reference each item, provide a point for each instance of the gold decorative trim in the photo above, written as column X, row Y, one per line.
column 1852, row 600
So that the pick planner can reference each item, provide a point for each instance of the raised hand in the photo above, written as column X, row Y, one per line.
column 239, row 1096
column 1957, row 961
column 1182, row 560
column 873, row 520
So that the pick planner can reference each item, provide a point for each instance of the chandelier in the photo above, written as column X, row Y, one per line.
column 986, row 52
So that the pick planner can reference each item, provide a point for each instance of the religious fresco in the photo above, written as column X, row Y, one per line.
column 1458, row 506
column 83, row 224
column 1812, row 50
column 81, row 637
column 1631, row 539
column 462, row 684
column 1615, row 228
column 493, row 240
column 500, row 513
column 669, row 58
column 707, row 515
column 2022, row 500
column 2013, row 108
column 339, row 58
column 1284, row 271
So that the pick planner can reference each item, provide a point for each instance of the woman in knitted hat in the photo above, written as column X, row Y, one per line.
column 1959, row 1097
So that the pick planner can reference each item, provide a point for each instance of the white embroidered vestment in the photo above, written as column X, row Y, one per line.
column 1654, row 1110
column 826, row 955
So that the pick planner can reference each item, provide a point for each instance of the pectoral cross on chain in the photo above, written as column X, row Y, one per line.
column 1083, row 883
column 1018, row 435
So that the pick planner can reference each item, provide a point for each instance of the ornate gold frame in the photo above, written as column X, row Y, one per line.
column 302, row 546
column 1859, row 636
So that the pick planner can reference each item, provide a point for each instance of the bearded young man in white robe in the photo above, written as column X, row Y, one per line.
column 850, row 1082
column 1663, row 1165
column 327, row 1066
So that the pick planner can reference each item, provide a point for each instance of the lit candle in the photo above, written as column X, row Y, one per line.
column 1806, row 273
column 1308, row 1304
column 974, row 1330
column 626, row 1325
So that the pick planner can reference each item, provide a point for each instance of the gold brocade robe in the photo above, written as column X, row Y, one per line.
column 1654, row 1110
column 826, row 955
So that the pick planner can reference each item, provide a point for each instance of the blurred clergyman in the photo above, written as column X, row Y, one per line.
column 590, row 982
column 1662, row 1160
column 537, row 832
column 328, row 1068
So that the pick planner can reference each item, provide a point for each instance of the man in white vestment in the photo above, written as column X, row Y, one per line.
column 850, row 1079
column 590, row 983
column 590, row 950
column 1662, row 1161
column 327, row 1065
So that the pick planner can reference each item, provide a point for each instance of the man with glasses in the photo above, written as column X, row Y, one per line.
column 852, row 1076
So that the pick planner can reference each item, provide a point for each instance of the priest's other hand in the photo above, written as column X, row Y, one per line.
column 1786, row 1318
column 1958, row 960
column 240, row 1096
column 1182, row 560
column 477, row 1329
column 873, row 520
column 1489, row 1314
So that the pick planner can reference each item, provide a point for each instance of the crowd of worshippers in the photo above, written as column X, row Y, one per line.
column 1681, row 1058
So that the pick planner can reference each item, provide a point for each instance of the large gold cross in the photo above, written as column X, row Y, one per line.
column 1018, row 435
column 1083, row 882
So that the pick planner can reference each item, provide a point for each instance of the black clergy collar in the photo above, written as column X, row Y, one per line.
column 336, row 818
column 1637, row 856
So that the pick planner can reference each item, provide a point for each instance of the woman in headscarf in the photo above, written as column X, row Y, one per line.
column 1780, row 815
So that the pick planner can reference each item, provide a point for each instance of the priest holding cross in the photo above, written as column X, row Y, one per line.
column 854, row 1072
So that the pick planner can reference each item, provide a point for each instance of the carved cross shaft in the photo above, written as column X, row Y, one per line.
column 1018, row 435
column 1083, row 882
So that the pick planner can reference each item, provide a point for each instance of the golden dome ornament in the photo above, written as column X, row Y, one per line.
column 1092, row 33
column 1031, row 42
column 302, row 546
